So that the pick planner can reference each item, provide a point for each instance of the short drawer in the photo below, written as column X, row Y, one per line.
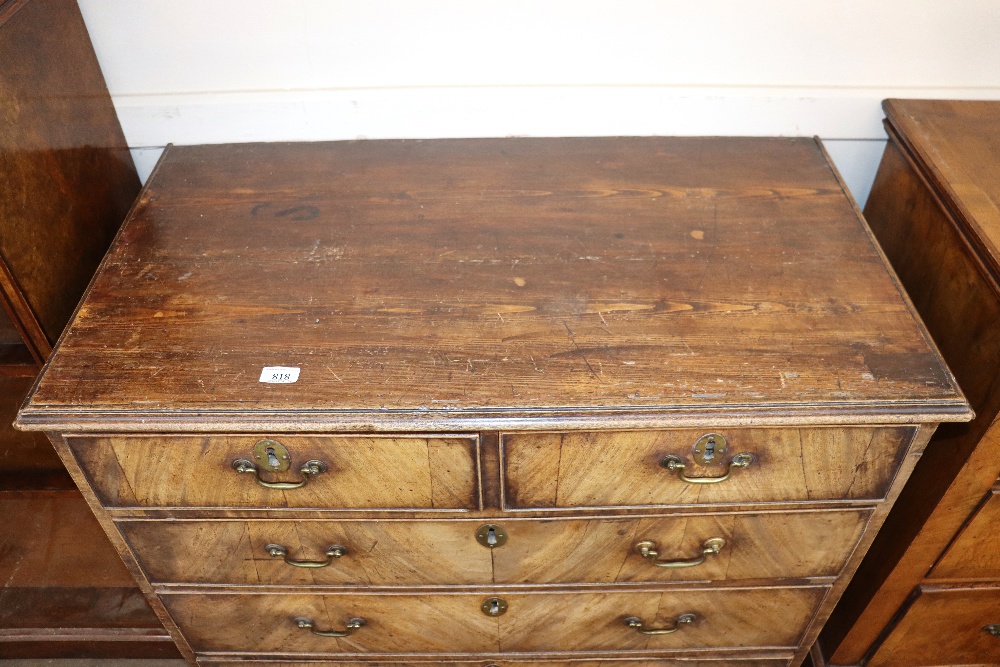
column 643, row 468
column 945, row 627
column 355, row 472
column 718, row 547
column 975, row 552
column 440, row 623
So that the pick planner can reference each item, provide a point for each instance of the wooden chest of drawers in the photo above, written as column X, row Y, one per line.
column 552, row 401
column 928, row 593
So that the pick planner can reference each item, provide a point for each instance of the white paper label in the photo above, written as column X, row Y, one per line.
column 279, row 374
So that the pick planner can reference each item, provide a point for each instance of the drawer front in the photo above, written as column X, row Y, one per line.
column 440, row 623
column 944, row 627
column 622, row 469
column 975, row 552
column 359, row 472
column 397, row 552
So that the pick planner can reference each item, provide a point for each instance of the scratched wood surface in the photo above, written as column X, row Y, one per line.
column 405, row 552
column 623, row 468
column 466, row 277
column 362, row 473
column 438, row 623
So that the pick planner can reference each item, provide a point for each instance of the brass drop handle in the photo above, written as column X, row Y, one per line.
column 278, row 551
column 992, row 629
column 741, row 460
column 711, row 547
column 313, row 467
column 636, row 623
column 352, row 625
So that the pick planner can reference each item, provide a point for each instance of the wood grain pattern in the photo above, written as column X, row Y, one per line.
column 575, row 622
column 586, row 305
column 378, row 553
column 975, row 551
column 623, row 469
column 929, row 243
column 944, row 627
column 956, row 144
column 66, row 183
column 406, row 552
column 435, row 623
column 403, row 261
column 68, row 177
column 369, row 473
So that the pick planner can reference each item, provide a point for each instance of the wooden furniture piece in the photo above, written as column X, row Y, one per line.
column 614, row 401
column 927, row 592
column 66, row 183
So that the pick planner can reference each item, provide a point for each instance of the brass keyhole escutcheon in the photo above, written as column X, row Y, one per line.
column 494, row 606
column 709, row 449
column 491, row 536
column 271, row 455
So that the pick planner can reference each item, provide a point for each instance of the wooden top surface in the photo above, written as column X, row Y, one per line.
column 957, row 143
column 486, row 283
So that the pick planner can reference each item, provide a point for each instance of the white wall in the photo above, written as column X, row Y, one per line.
column 209, row 71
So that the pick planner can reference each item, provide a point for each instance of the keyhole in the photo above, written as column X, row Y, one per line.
column 272, row 459
column 710, row 449
column 494, row 608
column 491, row 537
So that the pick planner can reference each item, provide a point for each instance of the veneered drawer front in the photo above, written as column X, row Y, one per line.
column 404, row 552
column 944, row 627
column 441, row 623
column 621, row 469
column 975, row 552
column 379, row 553
column 361, row 472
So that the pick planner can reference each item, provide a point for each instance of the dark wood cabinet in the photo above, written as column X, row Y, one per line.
column 539, row 402
column 926, row 593
column 66, row 183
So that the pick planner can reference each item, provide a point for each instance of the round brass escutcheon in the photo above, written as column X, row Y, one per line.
column 271, row 455
column 494, row 606
column 709, row 449
column 491, row 536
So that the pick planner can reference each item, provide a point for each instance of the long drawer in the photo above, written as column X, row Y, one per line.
column 688, row 466
column 458, row 623
column 352, row 472
column 717, row 547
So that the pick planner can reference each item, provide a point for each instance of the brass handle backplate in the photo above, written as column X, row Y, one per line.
column 993, row 629
column 309, row 468
column 674, row 463
column 635, row 623
column 711, row 547
column 352, row 625
column 278, row 551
